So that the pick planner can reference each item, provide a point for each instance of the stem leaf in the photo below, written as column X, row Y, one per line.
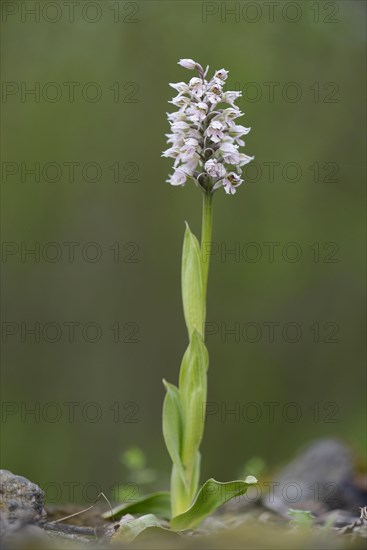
column 193, row 389
column 192, row 284
column 173, row 426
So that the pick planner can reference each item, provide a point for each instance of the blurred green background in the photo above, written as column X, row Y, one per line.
column 138, row 48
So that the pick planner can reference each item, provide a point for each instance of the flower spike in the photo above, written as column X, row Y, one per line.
column 205, row 138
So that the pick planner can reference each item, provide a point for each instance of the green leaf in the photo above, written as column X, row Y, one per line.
column 195, row 479
column 193, row 388
column 212, row 495
column 173, row 426
column 192, row 284
column 128, row 531
column 159, row 535
column 301, row 518
column 156, row 503
column 133, row 458
column 180, row 498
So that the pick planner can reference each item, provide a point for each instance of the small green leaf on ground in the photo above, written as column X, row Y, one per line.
column 301, row 518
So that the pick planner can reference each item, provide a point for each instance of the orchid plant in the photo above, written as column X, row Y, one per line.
column 205, row 143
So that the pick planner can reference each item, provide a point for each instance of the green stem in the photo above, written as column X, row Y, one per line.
column 206, row 236
column 184, row 491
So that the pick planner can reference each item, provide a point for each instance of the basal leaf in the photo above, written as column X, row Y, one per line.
column 156, row 503
column 192, row 284
column 212, row 495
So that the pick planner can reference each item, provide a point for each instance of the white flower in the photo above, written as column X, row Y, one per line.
column 204, row 136
column 178, row 177
column 231, row 113
column 215, row 168
column 215, row 131
column 182, row 173
column 190, row 150
column 196, row 87
column 197, row 112
column 189, row 167
column 172, row 152
column 238, row 130
column 245, row 159
column 222, row 74
column 214, row 93
column 175, row 117
column 188, row 64
column 229, row 153
column 180, row 101
column 231, row 182
column 194, row 133
column 230, row 97
column 177, row 140
column 180, row 126
column 181, row 87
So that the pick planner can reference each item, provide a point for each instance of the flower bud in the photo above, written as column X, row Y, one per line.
column 189, row 64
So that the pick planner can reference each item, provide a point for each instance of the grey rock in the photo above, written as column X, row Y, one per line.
column 337, row 518
column 21, row 504
column 25, row 537
column 22, row 534
column 319, row 479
